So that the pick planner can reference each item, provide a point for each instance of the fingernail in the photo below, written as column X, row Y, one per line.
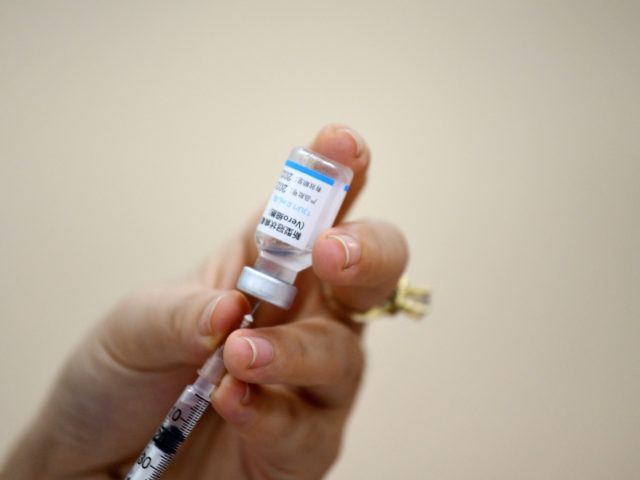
column 261, row 351
column 204, row 324
column 357, row 139
column 247, row 395
column 208, row 337
column 351, row 249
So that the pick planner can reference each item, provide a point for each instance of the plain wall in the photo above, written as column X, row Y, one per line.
column 137, row 136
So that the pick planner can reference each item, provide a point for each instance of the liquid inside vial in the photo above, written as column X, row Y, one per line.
column 304, row 202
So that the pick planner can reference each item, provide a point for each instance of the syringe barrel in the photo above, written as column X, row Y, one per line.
column 175, row 429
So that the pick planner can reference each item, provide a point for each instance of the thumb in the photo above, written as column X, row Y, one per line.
column 171, row 326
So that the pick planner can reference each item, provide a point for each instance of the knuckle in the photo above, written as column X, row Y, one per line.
column 132, row 306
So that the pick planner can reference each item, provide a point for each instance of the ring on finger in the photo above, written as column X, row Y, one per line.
column 413, row 300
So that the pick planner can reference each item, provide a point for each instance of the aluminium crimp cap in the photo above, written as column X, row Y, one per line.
column 267, row 288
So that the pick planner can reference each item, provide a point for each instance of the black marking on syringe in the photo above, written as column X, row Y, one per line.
column 168, row 439
column 157, row 474
column 197, row 412
column 160, row 469
column 201, row 397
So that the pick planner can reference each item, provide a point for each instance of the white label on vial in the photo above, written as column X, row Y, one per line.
column 296, row 204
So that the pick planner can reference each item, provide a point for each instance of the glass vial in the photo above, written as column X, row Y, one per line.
column 304, row 202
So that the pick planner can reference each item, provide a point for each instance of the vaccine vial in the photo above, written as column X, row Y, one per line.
column 305, row 201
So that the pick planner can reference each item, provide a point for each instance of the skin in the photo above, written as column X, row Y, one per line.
column 281, row 417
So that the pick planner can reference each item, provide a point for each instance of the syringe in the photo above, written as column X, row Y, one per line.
column 305, row 201
column 182, row 417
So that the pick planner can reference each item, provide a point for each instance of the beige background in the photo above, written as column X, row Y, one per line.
column 136, row 136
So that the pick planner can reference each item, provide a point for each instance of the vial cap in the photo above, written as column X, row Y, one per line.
column 267, row 288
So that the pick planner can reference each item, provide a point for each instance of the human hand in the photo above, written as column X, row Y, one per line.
column 282, row 417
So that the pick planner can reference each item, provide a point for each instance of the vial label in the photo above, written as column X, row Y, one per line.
column 299, row 198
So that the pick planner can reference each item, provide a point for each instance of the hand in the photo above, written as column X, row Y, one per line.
column 281, row 417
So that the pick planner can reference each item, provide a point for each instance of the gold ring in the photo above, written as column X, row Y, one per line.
column 407, row 298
